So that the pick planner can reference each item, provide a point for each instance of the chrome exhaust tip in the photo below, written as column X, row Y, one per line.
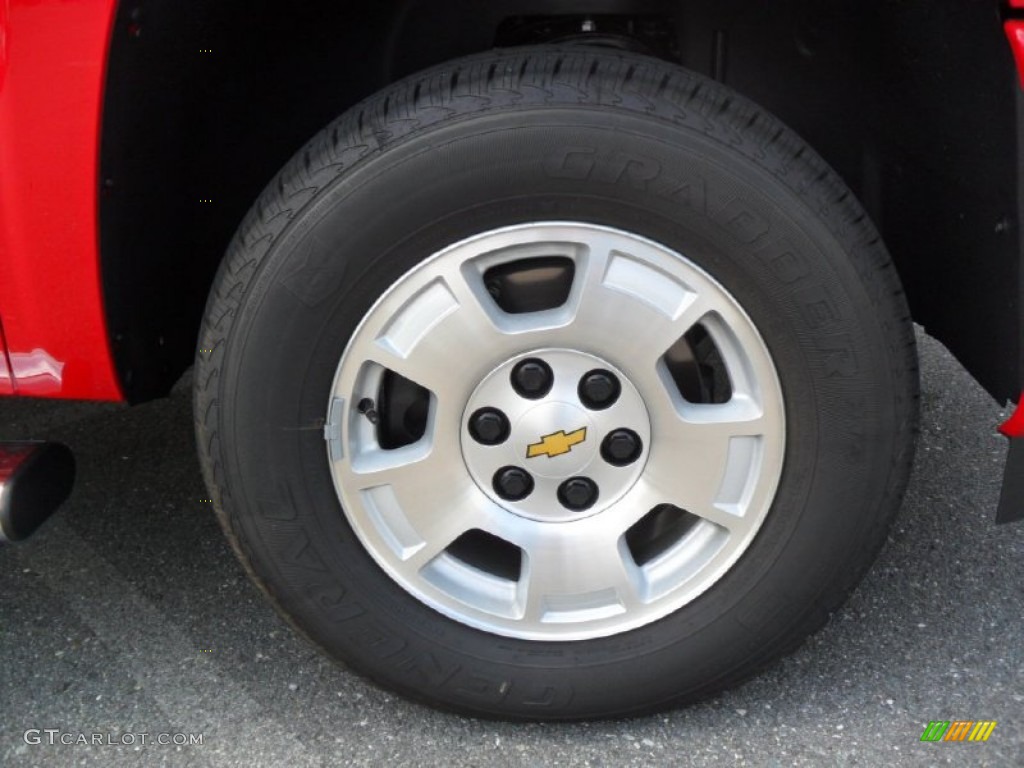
column 35, row 479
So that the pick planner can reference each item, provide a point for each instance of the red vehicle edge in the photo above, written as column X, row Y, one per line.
column 52, row 67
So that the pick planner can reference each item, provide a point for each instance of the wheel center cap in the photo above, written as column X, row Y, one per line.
column 555, row 435
column 555, row 440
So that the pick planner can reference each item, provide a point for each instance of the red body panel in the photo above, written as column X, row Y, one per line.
column 1015, row 34
column 52, row 55
column 1014, row 426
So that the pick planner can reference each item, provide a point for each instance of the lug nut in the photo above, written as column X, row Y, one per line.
column 577, row 493
column 532, row 378
column 513, row 483
column 621, row 447
column 599, row 389
column 489, row 426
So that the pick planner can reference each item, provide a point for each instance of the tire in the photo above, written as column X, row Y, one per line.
column 766, row 448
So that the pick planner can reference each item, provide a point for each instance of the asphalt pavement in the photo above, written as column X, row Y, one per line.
column 127, row 614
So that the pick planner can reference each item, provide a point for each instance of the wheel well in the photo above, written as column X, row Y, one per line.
column 206, row 101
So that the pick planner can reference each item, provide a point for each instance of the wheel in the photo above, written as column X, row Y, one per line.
column 556, row 383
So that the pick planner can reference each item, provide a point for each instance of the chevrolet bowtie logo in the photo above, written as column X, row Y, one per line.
column 556, row 443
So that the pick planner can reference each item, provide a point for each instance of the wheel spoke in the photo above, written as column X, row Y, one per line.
column 699, row 463
column 573, row 578
column 418, row 504
column 442, row 338
column 635, row 302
